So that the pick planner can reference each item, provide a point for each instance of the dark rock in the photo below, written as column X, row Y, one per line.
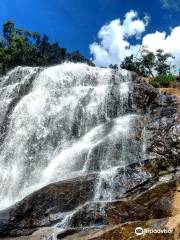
column 144, row 189
column 127, row 231
column 40, row 208
column 140, row 204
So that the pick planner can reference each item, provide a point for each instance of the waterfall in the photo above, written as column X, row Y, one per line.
column 62, row 122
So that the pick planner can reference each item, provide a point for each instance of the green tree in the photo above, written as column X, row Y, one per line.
column 148, row 63
column 115, row 66
column 162, row 66
column 8, row 31
column 22, row 47
column 133, row 64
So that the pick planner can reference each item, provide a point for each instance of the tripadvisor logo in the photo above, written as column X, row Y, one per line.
column 140, row 231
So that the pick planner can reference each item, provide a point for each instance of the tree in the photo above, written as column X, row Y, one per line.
column 132, row 64
column 129, row 64
column 8, row 31
column 147, row 63
column 22, row 47
column 76, row 57
column 115, row 66
column 162, row 66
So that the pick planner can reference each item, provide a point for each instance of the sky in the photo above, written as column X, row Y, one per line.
column 104, row 30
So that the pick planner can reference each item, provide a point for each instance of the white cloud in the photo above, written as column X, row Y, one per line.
column 171, row 4
column 114, row 45
column 114, row 40
column 169, row 43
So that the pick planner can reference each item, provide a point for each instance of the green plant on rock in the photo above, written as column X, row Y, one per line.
column 155, row 83
column 162, row 81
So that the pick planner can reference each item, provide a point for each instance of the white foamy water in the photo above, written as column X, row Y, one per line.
column 72, row 120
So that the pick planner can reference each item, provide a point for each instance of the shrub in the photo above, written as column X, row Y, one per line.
column 162, row 81
column 155, row 83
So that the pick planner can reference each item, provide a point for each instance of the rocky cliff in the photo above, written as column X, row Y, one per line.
column 122, row 162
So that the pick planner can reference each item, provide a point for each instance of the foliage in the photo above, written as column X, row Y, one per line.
column 134, row 65
column 21, row 47
column 146, row 63
column 162, row 80
column 162, row 67
column 129, row 64
column 115, row 66
column 155, row 83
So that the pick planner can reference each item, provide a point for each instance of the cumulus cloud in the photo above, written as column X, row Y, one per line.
column 115, row 40
column 171, row 4
column 169, row 43
column 114, row 44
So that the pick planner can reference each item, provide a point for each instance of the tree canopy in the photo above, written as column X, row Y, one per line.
column 25, row 48
column 147, row 63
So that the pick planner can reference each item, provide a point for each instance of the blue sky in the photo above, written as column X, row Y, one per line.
column 76, row 23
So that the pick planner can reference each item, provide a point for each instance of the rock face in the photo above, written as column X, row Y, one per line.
column 149, row 209
column 127, row 231
column 143, row 191
column 44, row 207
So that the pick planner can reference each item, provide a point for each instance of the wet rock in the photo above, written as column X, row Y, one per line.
column 145, row 198
column 143, row 190
column 44, row 207
column 127, row 231
column 150, row 200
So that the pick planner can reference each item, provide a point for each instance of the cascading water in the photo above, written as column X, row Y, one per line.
column 62, row 122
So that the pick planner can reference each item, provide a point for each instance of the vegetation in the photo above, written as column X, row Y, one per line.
column 115, row 66
column 24, row 48
column 162, row 81
column 21, row 47
column 142, row 65
column 148, row 64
